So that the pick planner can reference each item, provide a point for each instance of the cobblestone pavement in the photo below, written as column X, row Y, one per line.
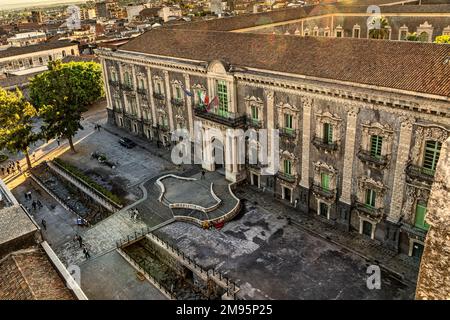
column 403, row 266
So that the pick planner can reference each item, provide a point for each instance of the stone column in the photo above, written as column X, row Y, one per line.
column 345, row 200
column 151, row 98
column 109, row 102
column 187, row 86
column 398, row 188
column 168, row 98
column 306, row 143
column 135, row 86
column 434, row 274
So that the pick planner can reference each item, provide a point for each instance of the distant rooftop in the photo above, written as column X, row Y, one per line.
column 16, row 51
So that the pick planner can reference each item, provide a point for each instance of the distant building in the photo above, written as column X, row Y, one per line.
column 36, row 16
column 108, row 9
column 167, row 12
column 133, row 11
column 24, row 60
column 26, row 39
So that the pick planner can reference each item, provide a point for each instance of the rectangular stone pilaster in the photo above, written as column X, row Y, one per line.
column 398, row 188
column 168, row 100
column 151, row 98
column 349, row 155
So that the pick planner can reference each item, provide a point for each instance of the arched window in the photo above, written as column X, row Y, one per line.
column 64, row 53
column 72, row 52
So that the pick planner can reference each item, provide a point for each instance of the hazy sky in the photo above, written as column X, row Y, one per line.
column 12, row 4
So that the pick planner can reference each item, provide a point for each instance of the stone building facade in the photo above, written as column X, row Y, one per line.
column 434, row 274
column 360, row 133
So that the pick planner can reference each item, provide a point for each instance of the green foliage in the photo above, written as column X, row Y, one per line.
column 63, row 93
column 412, row 37
column 16, row 122
column 86, row 179
column 379, row 28
column 442, row 39
column 3, row 158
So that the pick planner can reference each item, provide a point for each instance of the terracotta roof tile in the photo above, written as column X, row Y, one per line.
column 412, row 66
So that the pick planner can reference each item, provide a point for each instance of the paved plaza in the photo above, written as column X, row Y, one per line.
column 271, row 250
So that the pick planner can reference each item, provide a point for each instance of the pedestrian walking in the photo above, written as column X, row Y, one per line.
column 80, row 241
column 203, row 175
column 33, row 205
column 44, row 224
column 39, row 204
column 3, row 171
column 86, row 253
column 58, row 142
column 98, row 127
column 29, row 195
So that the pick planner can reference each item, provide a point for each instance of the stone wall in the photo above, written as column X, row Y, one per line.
column 434, row 274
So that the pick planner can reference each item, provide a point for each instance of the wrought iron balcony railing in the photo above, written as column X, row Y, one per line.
column 323, row 192
column 286, row 176
column 126, row 87
column 254, row 123
column 226, row 118
column 322, row 144
column 142, row 91
column 158, row 96
column 372, row 212
column 420, row 173
column 287, row 132
column 369, row 158
column 177, row 102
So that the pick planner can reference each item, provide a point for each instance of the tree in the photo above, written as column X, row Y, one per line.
column 378, row 28
column 442, row 39
column 412, row 37
column 16, row 123
column 63, row 93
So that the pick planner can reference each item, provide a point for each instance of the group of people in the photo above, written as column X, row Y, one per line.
column 35, row 205
column 97, row 127
column 134, row 213
column 11, row 167
column 79, row 239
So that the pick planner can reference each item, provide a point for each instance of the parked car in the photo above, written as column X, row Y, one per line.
column 127, row 143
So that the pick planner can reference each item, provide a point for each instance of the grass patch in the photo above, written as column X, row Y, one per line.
column 86, row 179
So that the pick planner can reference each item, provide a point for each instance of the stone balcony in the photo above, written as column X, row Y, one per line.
column 378, row 162
column 421, row 174
column 126, row 87
column 142, row 91
column 229, row 119
column 286, row 177
column 254, row 123
column 321, row 144
column 323, row 193
column 368, row 211
column 114, row 83
column 177, row 102
column 158, row 96
column 288, row 132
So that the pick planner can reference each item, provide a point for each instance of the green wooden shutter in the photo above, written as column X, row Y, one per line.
column 431, row 157
column 327, row 133
column 325, row 181
column 370, row 198
column 419, row 222
column 287, row 167
column 255, row 113
column 376, row 143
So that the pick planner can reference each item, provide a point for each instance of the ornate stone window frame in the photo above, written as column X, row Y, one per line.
column 141, row 78
column 287, row 108
column 403, row 28
column 217, row 72
column 370, row 129
column 316, row 31
column 306, row 32
column 427, row 28
column 414, row 194
column 326, row 32
column 365, row 183
column 423, row 134
column 194, row 89
column 158, row 80
column 286, row 155
column 252, row 101
column 446, row 31
column 177, row 84
column 321, row 167
column 356, row 27
column 339, row 30
column 114, row 74
column 363, row 219
column 323, row 117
